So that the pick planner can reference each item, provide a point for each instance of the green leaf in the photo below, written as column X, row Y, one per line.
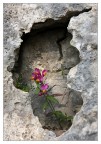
column 52, row 99
column 69, row 117
column 45, row 105
column 37, row 91
column 58, row 113
column 62, row 117
column 38, row 85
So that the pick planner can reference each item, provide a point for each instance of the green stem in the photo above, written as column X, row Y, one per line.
column 52, row 108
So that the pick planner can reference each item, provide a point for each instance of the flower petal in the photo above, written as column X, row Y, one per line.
column 37, row 71
column 44, row 72
column 44, row 87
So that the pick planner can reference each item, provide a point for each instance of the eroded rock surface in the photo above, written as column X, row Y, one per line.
column 41, row 50
column 83, row 77
column 19, row 121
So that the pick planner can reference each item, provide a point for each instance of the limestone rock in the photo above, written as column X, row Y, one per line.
column 83, row 77
column 19, row 121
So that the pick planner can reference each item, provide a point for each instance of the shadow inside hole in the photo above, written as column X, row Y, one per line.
column 42, row 50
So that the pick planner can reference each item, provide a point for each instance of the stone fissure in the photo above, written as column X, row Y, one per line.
column 59, row 43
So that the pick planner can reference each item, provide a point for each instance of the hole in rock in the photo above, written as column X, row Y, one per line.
column 48, row 48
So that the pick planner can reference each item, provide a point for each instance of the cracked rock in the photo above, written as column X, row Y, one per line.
column 19, row 121
column 83, row 77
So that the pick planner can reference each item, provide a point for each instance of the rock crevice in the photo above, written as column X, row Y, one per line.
column 21, row 19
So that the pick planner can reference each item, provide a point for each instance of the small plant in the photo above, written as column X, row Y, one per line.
column 19, row 84
column 42, row 89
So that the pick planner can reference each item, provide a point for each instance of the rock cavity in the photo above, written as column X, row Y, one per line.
column 48, row 49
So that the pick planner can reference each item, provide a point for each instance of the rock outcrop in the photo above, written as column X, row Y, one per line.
column 19, row 121
column 83, row 77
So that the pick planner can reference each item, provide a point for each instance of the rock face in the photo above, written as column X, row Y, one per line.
column 83, row 77
column 19, row 121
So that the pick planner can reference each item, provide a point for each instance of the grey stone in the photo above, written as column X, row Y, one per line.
column 83, row 77
column 19, row 121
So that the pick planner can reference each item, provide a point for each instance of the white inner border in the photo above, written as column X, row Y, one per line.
column 1, row 66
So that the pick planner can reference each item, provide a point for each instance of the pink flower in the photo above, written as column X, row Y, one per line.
column 44, row 72
column 39, row 79
column 37, row 71
column 44, row 88
column 37, row 76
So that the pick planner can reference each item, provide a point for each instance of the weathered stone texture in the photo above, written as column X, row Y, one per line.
column 83, row 77
column 19, row 121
